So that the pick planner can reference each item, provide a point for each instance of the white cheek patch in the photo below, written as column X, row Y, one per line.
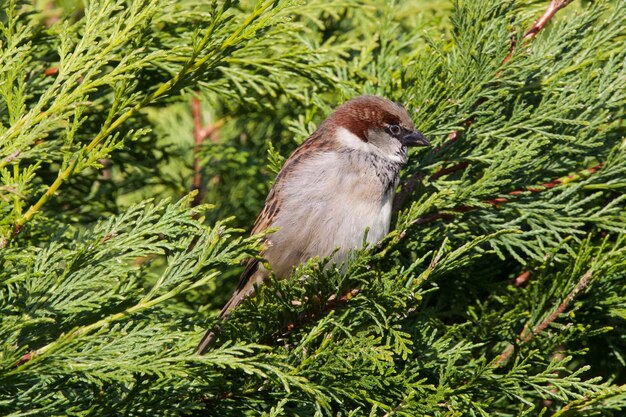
column 350, row 140
column 385, row 146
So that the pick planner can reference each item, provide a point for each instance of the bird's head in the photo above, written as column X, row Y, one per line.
column 375, row 124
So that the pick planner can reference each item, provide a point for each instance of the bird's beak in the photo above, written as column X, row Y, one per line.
column 415, row 139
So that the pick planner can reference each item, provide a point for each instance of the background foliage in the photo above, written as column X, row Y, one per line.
column 500, row 292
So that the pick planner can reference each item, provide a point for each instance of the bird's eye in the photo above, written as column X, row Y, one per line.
column 395, row 130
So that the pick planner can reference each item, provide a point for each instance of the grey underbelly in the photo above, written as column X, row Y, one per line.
column 320, row 230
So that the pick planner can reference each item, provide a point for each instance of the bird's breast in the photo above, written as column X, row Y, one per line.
column 332, row 201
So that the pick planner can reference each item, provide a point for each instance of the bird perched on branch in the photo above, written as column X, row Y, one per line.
column 339, row 183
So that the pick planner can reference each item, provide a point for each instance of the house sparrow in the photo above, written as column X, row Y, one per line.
column 339, row 183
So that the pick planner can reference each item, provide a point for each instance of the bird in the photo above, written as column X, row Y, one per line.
column 338, row 185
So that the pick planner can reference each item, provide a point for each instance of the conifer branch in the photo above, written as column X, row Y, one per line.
column 548, row 14
column 144, row 304
column 525, row 336
column 587, row 401
column 69, row 286
column 450, row 170
column 6, row 161
column 192, row 65
column 431, row 217
column 331, row 304
column 555, row 6
column 409, row 186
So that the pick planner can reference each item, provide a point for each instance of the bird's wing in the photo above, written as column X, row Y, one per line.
column 267, row 216
column 307, row 149
column 251, row 274
column 255, row 273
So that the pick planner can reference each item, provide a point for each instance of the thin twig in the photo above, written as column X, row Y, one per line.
column 521, row 279
column 498, row 201
column 6, row 161
column 331, row 304
column 586, row 401
column 548, row 185
column 106, row 168
column 525, row 336
column 407, row 189
column 51, row 13
column 412, row 182
column 446, row 171
column 197, row 142
column 200, row 134
column 555, row 6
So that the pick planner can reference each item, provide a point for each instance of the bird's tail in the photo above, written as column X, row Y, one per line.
column 254, row 274
column 209, row 336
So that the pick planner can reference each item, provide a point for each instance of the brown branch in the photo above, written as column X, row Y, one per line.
column 52, row 14
column 521, row 279
column 525, row 336
column 331, row 304
column 200, row 134
column 446, row 171
column 548, row 185
column 555, row 6
column 51, row 71
column 407, row 189
column 412, row 182
column 431, row 217
column 106, row 168
column 409, row 186
column 6, row 161
column 197, row 142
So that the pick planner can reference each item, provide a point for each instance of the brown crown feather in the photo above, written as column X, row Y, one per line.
column 366, row 112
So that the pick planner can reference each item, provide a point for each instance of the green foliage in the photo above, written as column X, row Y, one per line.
column 500, row 291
